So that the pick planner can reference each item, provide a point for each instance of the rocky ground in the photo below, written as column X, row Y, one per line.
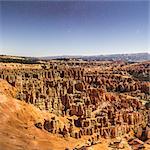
column 18, row 130
column 78, row 105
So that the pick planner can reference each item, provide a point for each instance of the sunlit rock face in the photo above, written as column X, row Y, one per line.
column 103, row 99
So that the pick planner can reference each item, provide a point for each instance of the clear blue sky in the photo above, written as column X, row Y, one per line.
column 48, row 28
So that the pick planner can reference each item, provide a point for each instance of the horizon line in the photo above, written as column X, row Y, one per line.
column 76, row 55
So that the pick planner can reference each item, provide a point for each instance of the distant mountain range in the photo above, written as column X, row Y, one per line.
column 136, row 57
column 112, row 57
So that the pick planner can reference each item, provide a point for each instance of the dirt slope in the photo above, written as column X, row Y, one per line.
column 17, row 130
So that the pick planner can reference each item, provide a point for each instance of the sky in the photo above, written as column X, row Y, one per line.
column 50, row 28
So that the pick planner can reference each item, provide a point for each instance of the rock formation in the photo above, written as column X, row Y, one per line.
column 98, row 98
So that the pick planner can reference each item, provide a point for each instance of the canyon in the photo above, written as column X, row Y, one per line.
column 92, row 104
